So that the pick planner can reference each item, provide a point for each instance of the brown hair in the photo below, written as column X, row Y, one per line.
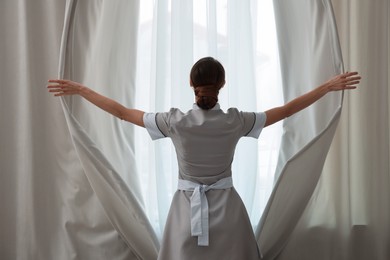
column 207, row 77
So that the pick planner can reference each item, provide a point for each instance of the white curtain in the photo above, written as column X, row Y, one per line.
column 349, row 214
column 91, row 54
column 52, row 211
column 49, row 210
column 309, row 54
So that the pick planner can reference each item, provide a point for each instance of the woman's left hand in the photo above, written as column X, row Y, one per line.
column 64, row 87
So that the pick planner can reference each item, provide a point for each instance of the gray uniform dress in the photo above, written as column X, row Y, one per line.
column 205, row 141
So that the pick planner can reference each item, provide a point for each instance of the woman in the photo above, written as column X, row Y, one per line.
column 207, row 219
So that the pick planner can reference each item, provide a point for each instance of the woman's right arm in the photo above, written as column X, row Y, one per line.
column 67, row 87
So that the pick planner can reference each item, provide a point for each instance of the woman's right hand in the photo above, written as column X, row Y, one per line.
column 61, row 87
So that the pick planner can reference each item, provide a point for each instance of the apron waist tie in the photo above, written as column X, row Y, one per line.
column 200, row 207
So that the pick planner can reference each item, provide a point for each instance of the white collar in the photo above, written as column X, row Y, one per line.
column 196, row 107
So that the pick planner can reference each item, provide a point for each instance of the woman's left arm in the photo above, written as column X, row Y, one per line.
column 343, row 81
column 67, row 87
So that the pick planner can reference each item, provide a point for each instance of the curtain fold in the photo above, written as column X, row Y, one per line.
column 309, row 54
column 91, row 55
column 49, row 209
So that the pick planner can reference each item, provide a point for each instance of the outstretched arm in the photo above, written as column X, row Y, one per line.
column 67, row 87
column 343, row 81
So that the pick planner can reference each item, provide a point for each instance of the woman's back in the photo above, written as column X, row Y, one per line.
column 205, row 140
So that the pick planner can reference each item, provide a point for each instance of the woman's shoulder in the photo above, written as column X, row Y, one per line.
column 172, row 113
column 232, row 110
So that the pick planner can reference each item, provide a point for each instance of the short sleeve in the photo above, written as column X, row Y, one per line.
column 150, row 122
column 256, row 124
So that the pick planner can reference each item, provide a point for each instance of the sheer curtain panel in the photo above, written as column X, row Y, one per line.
column 173, row 35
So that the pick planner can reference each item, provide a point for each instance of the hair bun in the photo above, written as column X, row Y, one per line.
column 206, row 96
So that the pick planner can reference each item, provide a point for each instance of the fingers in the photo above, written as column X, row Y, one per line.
column 354, row 78
column 58, row 86
column 62, row 91
column 60, row 81
column 61, row 87
column 350, row 82
column 353, row 82
column 344, row 81
column 350, row 74
column 349, row 79
column 57, row 90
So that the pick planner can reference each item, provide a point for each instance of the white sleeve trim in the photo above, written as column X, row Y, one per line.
column 258, row 126
column 151, row 126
